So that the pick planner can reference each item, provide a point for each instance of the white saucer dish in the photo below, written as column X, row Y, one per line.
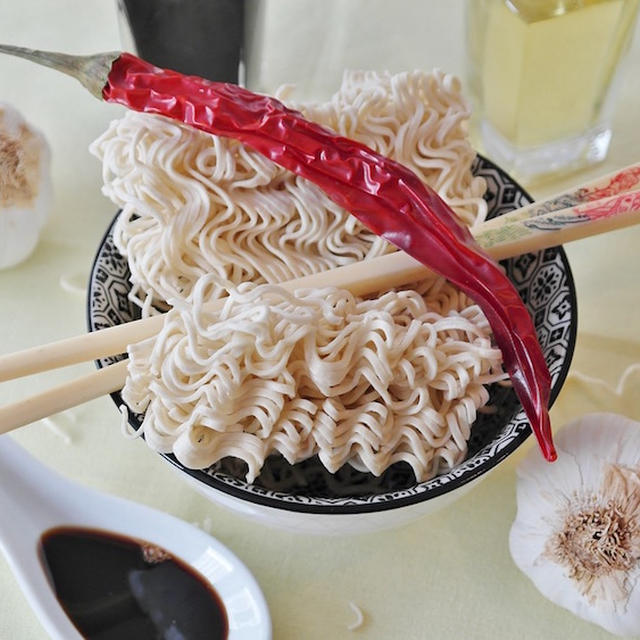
column 34, row 500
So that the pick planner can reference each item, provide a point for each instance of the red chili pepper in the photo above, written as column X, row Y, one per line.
column 385, row 196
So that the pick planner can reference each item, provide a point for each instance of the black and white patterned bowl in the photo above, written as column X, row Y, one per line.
column 308, row 498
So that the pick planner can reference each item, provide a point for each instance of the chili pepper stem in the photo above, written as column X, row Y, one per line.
column 91, row 71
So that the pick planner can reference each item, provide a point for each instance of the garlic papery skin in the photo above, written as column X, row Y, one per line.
column 25, row 186
column 577, row 531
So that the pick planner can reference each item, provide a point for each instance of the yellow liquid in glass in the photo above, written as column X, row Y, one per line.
column 543, row 68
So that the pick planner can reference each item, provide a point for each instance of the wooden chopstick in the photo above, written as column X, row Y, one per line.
column 612, row 184
column 396, row 269
column 88, row 346
column 562, row 226
column 389, row 273
column 63, row 396
column 545, row 230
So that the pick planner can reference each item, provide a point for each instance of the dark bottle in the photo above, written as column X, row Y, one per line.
column 195, row 37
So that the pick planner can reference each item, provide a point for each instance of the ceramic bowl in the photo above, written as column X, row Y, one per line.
column 307, row 498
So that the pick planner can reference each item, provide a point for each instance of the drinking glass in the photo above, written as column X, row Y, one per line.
column 543, row 76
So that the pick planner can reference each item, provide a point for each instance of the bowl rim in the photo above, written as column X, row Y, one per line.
column 342, row 506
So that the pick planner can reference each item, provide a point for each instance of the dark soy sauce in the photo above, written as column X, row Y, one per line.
column 118, row 588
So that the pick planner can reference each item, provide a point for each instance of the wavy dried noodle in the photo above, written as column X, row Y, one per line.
column 369, row 382
column 195, row 204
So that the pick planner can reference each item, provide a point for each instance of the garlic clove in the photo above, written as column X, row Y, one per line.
column 605, row 436
column 25, row 186
column 554, row 482
column 577, row 530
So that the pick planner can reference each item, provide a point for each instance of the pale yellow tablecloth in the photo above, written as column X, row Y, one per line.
column 446, row 576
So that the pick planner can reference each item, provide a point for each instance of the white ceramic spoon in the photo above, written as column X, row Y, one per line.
column 33, row 499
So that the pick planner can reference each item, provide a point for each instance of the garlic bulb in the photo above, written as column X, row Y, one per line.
column 577, row 530
column 25, row 188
